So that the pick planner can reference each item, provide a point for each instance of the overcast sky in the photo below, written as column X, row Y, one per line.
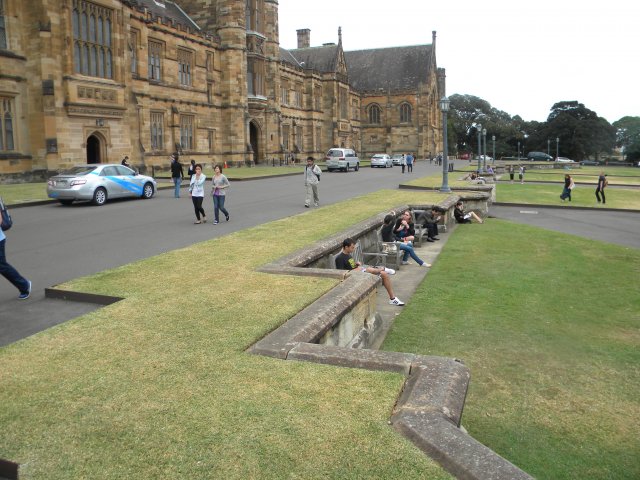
column 521, row 57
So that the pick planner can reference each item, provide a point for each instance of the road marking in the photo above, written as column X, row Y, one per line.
column 530, row 212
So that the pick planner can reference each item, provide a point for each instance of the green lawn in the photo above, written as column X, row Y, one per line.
column 582, row 177
column 582, row 195
column 159, row 385
column 549, row 325
column 23, row 192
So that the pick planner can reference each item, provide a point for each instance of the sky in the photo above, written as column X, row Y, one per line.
column 521, row 57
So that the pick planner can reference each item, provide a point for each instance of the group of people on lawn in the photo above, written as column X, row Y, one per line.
column 401, row 231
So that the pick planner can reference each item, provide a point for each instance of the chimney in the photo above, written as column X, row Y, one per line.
column 304, row 38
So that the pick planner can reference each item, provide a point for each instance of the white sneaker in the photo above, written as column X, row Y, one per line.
column 396, row 301
column 389, row 271
column 405, row 263
column 425, row 264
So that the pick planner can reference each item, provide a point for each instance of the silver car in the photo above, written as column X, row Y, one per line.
column 381, row 160
column 99, row 182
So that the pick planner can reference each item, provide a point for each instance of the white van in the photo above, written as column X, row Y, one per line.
column 342, row 159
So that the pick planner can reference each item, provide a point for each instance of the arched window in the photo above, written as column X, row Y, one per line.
column 374, row 114
column 3, row 27
column 92, row 39
column 405, row 113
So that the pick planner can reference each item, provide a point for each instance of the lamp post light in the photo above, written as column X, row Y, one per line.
column 484, row 150
column 479, row 129
column 493, row 137
column 557, row 146
column 444, row 107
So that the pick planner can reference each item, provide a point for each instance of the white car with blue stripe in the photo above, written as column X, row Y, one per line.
column 99, row 182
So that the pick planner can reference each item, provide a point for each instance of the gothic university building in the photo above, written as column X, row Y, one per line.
column 94, row 80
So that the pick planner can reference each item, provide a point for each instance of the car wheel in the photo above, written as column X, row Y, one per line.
column 99, row 196
column 147, row 190
column 357, row 167
column 371, row 166
column 66, row 202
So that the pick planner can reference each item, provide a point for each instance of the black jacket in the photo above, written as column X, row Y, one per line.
column 176, row 170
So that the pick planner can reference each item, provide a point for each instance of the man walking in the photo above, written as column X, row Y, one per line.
column 409, row 163
column 177, row 174
column 602, row 182
column 22, row 284
column 312, row 174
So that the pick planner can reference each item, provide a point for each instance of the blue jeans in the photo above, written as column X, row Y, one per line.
column 408, row 250
column 176, row 182
column 218, row 206
column 10, row 273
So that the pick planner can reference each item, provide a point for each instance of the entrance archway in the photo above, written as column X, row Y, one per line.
column 254, row 141
column 94, row 149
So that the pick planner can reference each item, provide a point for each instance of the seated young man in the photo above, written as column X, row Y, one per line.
column 344, row 261
column 430, row 219
column 406, row 247
column 463, row 217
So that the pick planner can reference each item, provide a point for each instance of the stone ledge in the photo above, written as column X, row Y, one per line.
column 314, row 321
column 348, row 357
column 459, row 453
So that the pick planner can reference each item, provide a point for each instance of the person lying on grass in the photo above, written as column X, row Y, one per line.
column 463, row 217
column 344, row 261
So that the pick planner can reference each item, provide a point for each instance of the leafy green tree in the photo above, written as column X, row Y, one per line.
column 628, row 135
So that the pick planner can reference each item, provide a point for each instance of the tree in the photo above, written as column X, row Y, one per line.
column 628, row 134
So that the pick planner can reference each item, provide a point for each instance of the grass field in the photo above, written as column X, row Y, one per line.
column 549, row 325
column 159, row 385
column 582, row 195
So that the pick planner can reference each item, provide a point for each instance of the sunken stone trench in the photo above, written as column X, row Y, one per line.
column 345, row 327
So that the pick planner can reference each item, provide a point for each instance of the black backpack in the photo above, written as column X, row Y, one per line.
column 7, row 222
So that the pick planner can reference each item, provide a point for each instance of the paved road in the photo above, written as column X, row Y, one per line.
column 51, row 244
column 618, row 227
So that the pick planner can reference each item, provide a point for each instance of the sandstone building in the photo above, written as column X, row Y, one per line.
column 94, row 80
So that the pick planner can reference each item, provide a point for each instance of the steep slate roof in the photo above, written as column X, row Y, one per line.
column 285, row 56
column 170, row 10
column 395, row 68
column 322, row 59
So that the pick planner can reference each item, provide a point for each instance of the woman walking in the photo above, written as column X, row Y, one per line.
column 196, row 190
column 511, row 173
column 220, row 184
column 568, row 186
column 521, row 173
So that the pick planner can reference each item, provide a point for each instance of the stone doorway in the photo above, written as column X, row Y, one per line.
column 254, row 141
column 94, row 149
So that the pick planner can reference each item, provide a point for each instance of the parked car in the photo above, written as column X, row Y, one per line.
column 342, row 159
column 539, row 157
column 99, row 182
column 396, row 158
column 488, row 158
column 381, row 160
column 588, row 162
column 564, row 160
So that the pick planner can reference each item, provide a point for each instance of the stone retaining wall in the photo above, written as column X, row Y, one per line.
column 429, row 409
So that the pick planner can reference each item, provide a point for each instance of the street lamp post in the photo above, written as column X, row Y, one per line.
column 444, row 107
column 484, row 150
column 557, row 146
column 548, row 147
column 518, row 150
column 493, row 137
column 479, row 129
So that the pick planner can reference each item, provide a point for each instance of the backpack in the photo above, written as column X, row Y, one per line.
column 7, row 222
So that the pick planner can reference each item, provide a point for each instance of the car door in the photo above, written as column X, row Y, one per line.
column 130, row 183
column 111, row 182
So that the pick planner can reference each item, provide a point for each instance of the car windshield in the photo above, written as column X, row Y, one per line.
column 397, row 155
column 335, row 153
column 79, row 170
column 378, row 156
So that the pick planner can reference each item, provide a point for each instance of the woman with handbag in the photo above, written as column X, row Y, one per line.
column 568, row 186
column 196, row 191
column 220, row 183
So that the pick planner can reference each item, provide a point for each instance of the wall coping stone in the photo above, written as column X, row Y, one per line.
column 429, row 408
